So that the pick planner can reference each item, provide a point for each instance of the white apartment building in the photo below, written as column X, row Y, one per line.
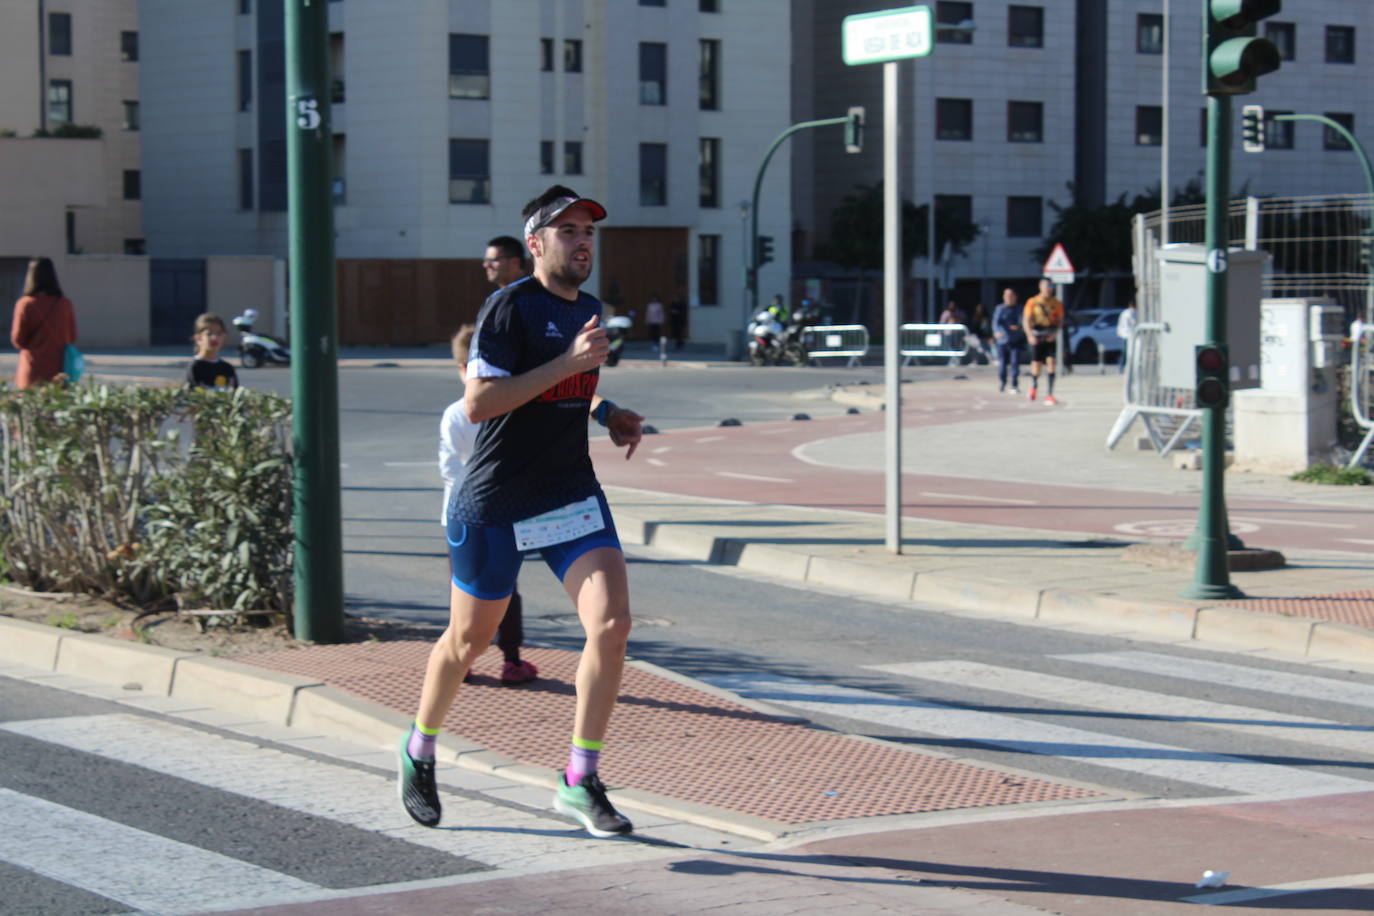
column 68, row 64
column 1019, row 99
column 448, row 115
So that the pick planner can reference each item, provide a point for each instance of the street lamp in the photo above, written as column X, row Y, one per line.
column 984, row 290
column 735, row 339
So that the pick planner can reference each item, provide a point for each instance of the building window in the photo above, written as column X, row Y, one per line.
column 653, row 73
column 954, row 119
column 1332, row 139
column 653, row 2
column 1024, row 216
column 469, row 172
column 572, row 55
column 710, row 6
column 60, row 101
column 546, row 54
column 1149, row 125
column 128, row 46
column 1026, row 26
column 710, row 74
column 245, row 7
column 1202, row 133
column 545, row 157
column 572, row 157
column 245, row 179
column 1284, row 35
column 135, row 246
column 1025, row 122
column 1340, row 44
column 710, row 172
column 954, row 23
column 469, row 70
column 133, row 184
column 1277, row 134
column 953, row 209
column 71, row 232
column 130, row 115
column 60, row 34
column 653, row 174
column 245, row 81
column 708, row 269
column 1149, row 33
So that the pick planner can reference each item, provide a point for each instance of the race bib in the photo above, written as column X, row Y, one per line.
column 559, row 525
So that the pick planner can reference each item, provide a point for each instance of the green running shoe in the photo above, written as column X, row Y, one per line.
column 587, row 802
column 415, row 784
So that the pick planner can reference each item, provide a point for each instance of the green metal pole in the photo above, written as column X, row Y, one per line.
column 314, row 360
column 752, row 300
column 1213, row 576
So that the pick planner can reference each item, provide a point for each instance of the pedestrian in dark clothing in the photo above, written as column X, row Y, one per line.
column 1010, row 336
column 677, row 322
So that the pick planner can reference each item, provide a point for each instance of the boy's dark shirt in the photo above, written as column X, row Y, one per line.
column 207, row 373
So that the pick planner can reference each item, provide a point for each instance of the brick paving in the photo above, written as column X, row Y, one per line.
column 673, row 740
column 1354, row 608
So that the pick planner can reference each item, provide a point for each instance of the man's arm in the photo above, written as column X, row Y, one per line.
column 484, row 398
column 624, row 425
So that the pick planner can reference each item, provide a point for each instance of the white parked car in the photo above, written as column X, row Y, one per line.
column 1093, row 332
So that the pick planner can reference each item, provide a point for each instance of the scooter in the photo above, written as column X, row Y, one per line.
column 765, row 340
column 617, row 329
column 256, row 349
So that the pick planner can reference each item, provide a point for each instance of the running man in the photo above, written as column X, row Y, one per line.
column 532, row 375
column 1043, row 317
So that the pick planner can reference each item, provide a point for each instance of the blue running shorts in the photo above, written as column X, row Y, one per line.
column 484, row 561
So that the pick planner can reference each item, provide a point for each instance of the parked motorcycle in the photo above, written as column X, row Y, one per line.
column 256, row 349
column 765, row 340
column 617, row 330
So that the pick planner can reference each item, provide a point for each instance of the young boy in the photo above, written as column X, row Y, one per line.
column 207, row 370
column 457, row 434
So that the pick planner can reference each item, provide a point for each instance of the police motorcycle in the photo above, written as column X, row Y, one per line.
column 793, row 347
column 765, row 339
column 617, row 330
column 256, row 349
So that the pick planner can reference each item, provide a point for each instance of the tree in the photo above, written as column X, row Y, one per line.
column 856, row 231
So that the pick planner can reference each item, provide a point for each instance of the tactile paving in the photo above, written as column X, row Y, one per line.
column 1355, row 608
column 674, row 740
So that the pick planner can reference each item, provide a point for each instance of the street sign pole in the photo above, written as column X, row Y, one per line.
column 886, row 37
column 314, row 358
column 892, row 310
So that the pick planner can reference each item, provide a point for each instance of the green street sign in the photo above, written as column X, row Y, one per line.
column 872, row 38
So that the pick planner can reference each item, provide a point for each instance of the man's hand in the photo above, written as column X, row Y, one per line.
column 589, row 348
column 626, row 428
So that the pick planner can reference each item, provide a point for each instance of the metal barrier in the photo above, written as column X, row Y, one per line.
column 1156, row 406
column 945, row 340
column 828, row 340
column 1362, row 385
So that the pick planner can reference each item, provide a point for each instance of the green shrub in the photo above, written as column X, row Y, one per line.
column 144, row 494
column 1330, row 474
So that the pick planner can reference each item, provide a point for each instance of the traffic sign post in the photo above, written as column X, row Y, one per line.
column 886, row 37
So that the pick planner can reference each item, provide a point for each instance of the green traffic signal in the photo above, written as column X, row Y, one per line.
column 763, row 254
column 854, row 130
column 1213, row 379
column 1233, row 57
column 1252, row 128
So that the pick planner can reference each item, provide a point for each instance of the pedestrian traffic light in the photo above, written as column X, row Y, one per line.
column 1252, row 128
column 1232, row 54
column 1213, row 380
column 763, row 250
column 854, row 130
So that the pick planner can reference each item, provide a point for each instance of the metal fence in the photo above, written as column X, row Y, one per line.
column 946, row 340
column 1315, row 246
column 836, row 340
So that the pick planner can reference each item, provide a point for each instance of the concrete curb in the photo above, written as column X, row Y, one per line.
column 1013, row 600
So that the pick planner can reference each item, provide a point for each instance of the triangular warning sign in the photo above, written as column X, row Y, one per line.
column 1058, row 262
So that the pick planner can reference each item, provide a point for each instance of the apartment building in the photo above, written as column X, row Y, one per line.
column 448, row 115
column 1017, row 100
column 68, row 64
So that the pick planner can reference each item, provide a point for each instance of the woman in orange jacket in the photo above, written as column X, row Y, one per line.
column 44, row 323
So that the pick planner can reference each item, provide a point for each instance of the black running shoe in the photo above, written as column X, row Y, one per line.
column 415, row 783
column 587, row 802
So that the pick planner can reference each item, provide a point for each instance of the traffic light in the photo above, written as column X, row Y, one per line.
column 763, row 250
column 1252, row 128
column 1367, row 249
column 1213, row 378
column 1232, row 54
column 854, row 130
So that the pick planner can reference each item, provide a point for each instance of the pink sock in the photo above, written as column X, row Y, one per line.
column 580, row 762
column 421, row 746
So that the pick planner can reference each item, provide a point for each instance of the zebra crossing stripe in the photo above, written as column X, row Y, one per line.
column 135, row 868
column 1307, row 686
column 1161, row 761
column 1129, row 702
column 497, row 835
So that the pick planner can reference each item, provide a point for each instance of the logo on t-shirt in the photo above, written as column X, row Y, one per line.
column 551, row 330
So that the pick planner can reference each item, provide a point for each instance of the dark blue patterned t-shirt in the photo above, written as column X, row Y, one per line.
column 534, row 458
